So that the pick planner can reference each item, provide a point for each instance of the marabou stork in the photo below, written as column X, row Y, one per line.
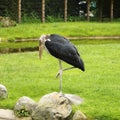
column 61, row 48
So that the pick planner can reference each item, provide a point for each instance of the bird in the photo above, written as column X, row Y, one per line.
column 62, row 49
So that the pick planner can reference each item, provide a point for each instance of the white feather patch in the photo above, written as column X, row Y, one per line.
column 48, row 40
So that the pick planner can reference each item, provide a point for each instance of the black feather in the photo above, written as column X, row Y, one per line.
column 61, row 48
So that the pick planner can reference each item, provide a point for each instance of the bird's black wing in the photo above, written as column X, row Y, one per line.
column 66, row 52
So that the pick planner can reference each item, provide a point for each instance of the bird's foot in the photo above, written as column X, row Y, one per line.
column 61, row 94
column 59, row 73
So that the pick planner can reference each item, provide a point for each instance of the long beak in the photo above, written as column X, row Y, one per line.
column 41, row 47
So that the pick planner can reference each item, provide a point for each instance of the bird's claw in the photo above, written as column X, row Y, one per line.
column 59, row 73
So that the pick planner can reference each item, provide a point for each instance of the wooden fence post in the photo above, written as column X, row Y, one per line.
column 111, row 10
column 88, row 10
column 65, row 10
column 43, row 11
column 19, row 11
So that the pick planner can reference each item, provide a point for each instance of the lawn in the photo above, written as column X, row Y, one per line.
column 25, row 75
column 34, row 30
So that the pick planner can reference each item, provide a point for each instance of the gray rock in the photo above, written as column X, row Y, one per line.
column 7, row 115
column 7, row 22
column 3, row 92
column 53, row 106
column 24, row 107
column 79, row 116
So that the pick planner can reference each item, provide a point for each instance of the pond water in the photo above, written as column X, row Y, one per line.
column 13, row 47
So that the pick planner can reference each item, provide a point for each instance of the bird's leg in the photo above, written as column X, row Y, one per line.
column 64, row 70
column 68, row 68
column 60, row 73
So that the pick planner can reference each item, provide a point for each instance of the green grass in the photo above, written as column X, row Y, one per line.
column 25, row 75
column 33, row 30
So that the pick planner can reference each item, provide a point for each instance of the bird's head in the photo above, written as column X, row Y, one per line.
column 42, row 40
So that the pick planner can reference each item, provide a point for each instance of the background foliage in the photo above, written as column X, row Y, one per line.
column 54, row 9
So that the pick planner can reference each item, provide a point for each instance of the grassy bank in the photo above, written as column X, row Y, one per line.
column 25, row 75
column 34, row 30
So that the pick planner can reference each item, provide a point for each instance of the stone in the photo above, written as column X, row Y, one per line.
column 74, row 99
column 24, row 107
column 79, row 116
column 3, row 92
column 7, row 114
column 53, row 106
column 7, row 22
